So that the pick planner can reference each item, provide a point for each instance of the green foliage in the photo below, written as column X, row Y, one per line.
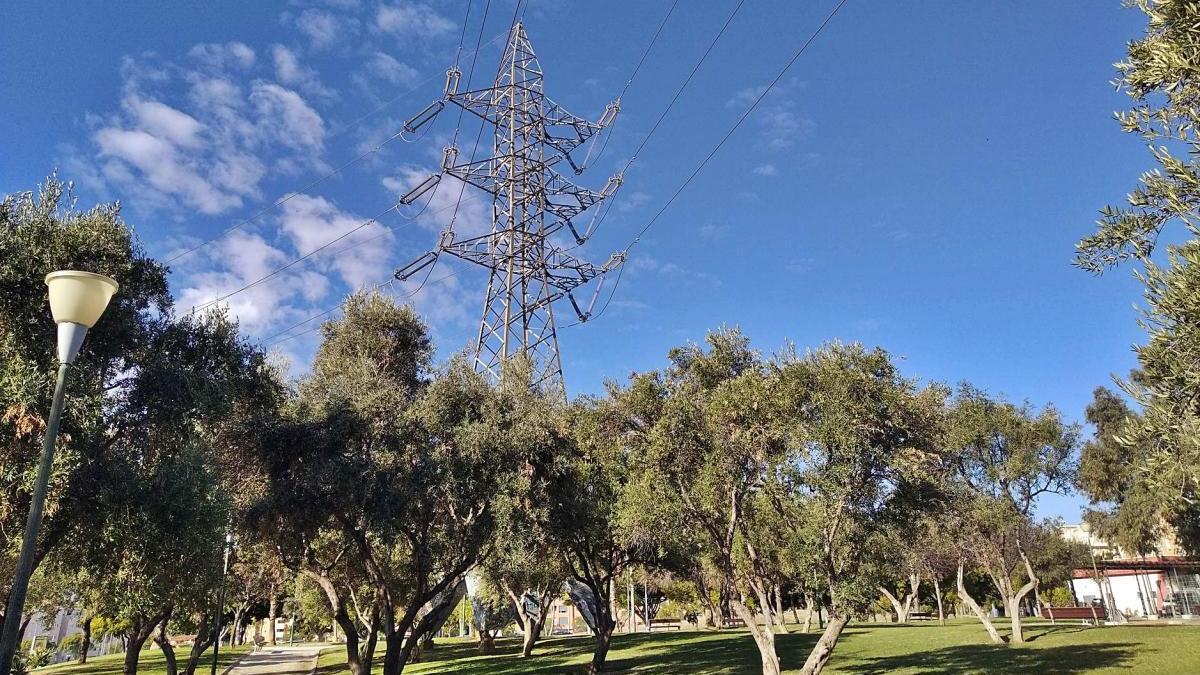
column 1058, row 596
column 1163, row 442
column 40, row 233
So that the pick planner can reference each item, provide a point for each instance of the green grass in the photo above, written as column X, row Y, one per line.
column 150, row 662
column 865, row 649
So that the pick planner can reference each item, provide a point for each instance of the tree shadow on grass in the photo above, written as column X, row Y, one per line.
column 1063, row 660
column 725, row 653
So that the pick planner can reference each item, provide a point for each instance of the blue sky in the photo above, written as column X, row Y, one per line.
column 918, row 181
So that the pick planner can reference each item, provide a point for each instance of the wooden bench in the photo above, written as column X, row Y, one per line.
column 920, row 616
column 733, row 622
column 1081, row 613
column 663, row 624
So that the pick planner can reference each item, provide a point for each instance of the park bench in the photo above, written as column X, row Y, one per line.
column 920, row 616
column 663, row 624
column 1081, row 613
column 733, row 622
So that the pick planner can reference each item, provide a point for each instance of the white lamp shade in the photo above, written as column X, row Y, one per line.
column 79, row 297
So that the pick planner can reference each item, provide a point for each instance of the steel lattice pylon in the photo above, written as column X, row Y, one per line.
column 531, row 202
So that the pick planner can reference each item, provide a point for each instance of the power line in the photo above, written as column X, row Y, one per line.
column 588, row 159
column 286, row 266
column 272, row 339
column 277, row 271
column 736, row 125
column 666, row 111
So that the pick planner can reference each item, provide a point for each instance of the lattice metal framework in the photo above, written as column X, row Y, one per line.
column 531, row 202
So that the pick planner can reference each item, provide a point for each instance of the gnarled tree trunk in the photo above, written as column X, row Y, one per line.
column 777, row 614
column 764, row 634
column 904, row 607
column 140, row 630
column 819, row 656
column 976, row 609
column 204, row 640
column 164, row 643
column 354, row 659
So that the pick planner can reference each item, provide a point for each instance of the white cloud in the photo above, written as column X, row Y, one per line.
column 223, row 56
column 205, row 146
column 161, row 165
column 166, row 122
column 766, row 170
column 713, row 231
column 240, row 259
column 284, row 114
column 388, row 68
column 781, row 126
column 411, row 19
column 632, row 201
column 322, row 28
column 310, row 222
column 287, row 65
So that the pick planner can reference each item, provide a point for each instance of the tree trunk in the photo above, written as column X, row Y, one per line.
column 605, row 624
column 342, row 617
column 764, row 635
column 937, row 592
column 777, row 615
column 233, row 626
column 272, row 608
column 974, row 607
column 603, row 640
column 1014, row 603
column 204, row 640
column 819, row 656
column 139, row 633
column 533, row 631
column 164, row 643
column 86, row 644
column 397, row 652
column 487, row 642
column 808, row 613
column 897, row 606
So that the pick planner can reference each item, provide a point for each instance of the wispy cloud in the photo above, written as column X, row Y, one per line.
column 713, row 231
column 411, row 20
column 202, row 150
column 781, row 125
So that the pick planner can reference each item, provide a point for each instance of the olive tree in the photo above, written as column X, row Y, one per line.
column 1159, row 75
column 1006, row 457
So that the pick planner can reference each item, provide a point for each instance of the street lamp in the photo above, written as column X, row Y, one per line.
column 221, row 604
column 77, row 299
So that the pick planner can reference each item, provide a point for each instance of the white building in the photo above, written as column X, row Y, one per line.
column 1164, row 584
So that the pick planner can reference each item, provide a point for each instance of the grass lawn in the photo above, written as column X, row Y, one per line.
column 865, row 649
column 150, row 662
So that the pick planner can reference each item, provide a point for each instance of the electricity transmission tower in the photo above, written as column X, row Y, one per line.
column 531, row 202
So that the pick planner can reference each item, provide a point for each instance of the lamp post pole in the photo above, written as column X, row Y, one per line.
column 16, row 599
column 221, row 605
column 77, row 299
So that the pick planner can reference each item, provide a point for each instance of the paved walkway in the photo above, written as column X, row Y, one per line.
column 279, row 660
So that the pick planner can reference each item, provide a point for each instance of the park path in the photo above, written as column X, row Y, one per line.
column 279, row 660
